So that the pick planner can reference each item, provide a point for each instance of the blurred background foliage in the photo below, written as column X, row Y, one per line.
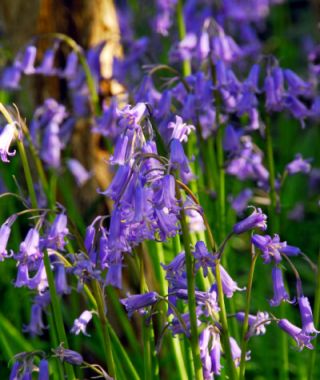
column 290, row 30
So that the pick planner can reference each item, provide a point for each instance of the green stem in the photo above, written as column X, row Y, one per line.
column 274, row 227
column 194, row 339
column 274, row 216
column 98, row 295
column 37, row 161
column 221, row 191
column 122, row 318
column 122, row 355
column 57, row 312
column 186, row 65
column 246, row 316
column 94, row 97
column 146, row 329
column 231, row 369
column 175, row 348
column 316, row 316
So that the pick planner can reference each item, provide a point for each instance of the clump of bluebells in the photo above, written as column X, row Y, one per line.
column 173, row 149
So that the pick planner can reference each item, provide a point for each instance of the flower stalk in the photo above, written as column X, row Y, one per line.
column 194, row 339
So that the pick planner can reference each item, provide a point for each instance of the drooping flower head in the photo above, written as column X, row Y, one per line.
column 302, row 339
column 7, row 135
column 80, row 324
column 280, row 293
column 139, row 302
column 256, row 220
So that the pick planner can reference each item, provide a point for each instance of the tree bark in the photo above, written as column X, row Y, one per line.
column 88, row 23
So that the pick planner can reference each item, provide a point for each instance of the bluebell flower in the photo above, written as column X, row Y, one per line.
column 89, row 240
column 16, row 368
column 84, row 270
column 106, row 124
column 280, row 293
column 273, row 247
column 80, row 174
column 118, row 184
column 122, row 150
column 69, row 356
column 104, row 251
column 7, row 135
column 151, row 169
column 194, row 215
column 57, row 232
column 80, row 324
column 274, row 89
column 11, row 77
column 5, row 231
column 236, row 352
column 298, row 165
column 60, row 277
column 70, row 69
column 139, row 301
column 204, row 339
column 240, row 202
column 29, row 248
column 114, row 275
column 181, row 130
column 247, row 163
column 297, row 86
column 231, row 139
column 257, row 323
column 215, row 353
column 28, row 61
column 130, row 117
column 164, row 15
column 47, row 64
column 22, row 275
column 270, row 247
column 302, row 339
column 224, row 47
column 43, row 370
column 175, row 267
column 184, row 49
column 36, row 325
column 167, row 224
column 51, row 146
column 165, row 193
column 308, row 327
column 297, row 109
column 203, row 258
column 178, row 159
column 39, row 281
column 229, row 286
column 256, row 220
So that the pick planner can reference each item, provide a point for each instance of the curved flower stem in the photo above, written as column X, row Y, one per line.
column 316, row 315
column 186, row 65
column 245, row 326
column 212, row 243
column 194, row 339
column 83, row 61
column 98, row 295
column 57, row 312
